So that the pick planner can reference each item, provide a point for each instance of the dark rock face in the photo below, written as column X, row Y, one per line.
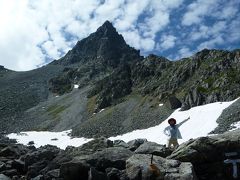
column 94, row 58
column 174, row 102
column 113, row 87
column 228, row 117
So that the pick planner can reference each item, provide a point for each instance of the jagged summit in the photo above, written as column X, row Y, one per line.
column 105, row 45
column 107, row 28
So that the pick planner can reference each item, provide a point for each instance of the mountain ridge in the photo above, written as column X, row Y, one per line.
column 113, row 76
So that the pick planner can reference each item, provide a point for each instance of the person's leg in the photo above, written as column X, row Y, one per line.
column 175, row 143
column 169, row 143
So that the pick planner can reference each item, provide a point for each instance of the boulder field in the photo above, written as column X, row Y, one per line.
column 209, row 157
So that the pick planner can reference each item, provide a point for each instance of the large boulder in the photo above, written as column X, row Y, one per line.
column 81, row 166
column 208, row 154
column 110, row 157
column 74, row 170
column 47, row 153
column 139, row 167
column 153, row 148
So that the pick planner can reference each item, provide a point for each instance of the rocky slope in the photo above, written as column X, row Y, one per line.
column 113, row 76
column 20, row 91
column 201, row 158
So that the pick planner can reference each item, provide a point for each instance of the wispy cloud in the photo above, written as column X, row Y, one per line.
column 167, row 41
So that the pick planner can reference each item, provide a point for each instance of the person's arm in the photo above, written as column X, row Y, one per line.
column 181, row 123
column 165, row 131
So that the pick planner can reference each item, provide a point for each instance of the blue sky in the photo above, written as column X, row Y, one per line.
column 33, row 32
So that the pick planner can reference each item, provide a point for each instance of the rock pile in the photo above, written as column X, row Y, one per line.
column 202, row 158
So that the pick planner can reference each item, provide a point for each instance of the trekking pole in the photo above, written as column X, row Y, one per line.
column 152, row 159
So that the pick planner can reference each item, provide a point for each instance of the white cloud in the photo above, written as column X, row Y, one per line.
column 167, row 42
column 30, row 28
column 198, row 10
column 184, row 52
column 205, row 32
column 233, row 34
column 209, row 44
column 32, row 32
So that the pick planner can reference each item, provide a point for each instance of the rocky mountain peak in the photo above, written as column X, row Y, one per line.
column 107, row 29
column 105, row 45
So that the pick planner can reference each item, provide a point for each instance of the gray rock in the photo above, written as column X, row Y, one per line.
column 53, row 173
column 139, row 167
column 3, row 177
column 153, row 148
column 19, row 165
column 2, row 166
column 207, row 154
column 93, row 174
column 39, row 177
column 47, row 152
column 90, row 147
column 120, row 143
column 34, row 169
column 134, row 144
column 74, row 170
column 8, row 151
column 116, row 174
column 10, row 172
column 110, row 157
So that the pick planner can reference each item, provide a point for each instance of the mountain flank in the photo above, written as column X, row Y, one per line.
column 118, row 89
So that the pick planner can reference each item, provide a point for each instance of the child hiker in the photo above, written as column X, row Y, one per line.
column 172, row 131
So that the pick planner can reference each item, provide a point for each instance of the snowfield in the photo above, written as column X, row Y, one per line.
column 202, row 121
column 41, row 138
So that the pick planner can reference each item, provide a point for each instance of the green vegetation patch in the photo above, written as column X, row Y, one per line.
column 91, row 104
column 54, row 110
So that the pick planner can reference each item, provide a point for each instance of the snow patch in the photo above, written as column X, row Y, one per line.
column 235, row 126
column 160, row 105
column 101, row 110
column 41, row 138
column 76, row 86
column 202, row 121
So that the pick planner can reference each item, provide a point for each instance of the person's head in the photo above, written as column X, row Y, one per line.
column 172, row 121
